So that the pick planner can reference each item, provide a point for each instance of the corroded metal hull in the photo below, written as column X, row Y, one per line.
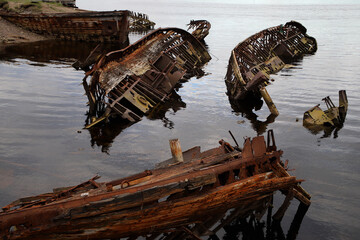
column 84, row 26
column 169, row 198
column 135, row 79
column 264, row 53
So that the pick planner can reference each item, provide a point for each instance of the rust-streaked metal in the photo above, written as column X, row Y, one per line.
column 162, row 200
column 133, row 80
column 264, row 53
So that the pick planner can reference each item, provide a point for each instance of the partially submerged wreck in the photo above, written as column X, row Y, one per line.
column 130, row 82
column 177, row 197
column 264, row 53
column 81, row 25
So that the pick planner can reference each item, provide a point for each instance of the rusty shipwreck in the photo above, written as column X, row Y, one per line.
column 176, row 197
column 201, row 28
column 264, row 53
column 131, row 81
column 107, row 26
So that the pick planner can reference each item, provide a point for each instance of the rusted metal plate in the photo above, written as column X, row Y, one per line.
column 152, row 201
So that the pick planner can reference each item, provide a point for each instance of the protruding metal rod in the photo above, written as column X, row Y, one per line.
column 269, row 101
column 176, row 150
column 234, row 139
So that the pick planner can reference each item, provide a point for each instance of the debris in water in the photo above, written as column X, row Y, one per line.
column 315, row 119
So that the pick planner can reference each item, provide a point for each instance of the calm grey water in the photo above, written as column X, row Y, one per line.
column 42, row 108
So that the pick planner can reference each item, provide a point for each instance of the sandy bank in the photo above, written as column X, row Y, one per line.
column 10, row 33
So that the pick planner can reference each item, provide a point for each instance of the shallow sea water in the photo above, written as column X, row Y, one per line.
column 43, row 107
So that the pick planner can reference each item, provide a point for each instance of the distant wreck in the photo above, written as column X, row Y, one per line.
column 108, row 26
column 201, row 28
column 264, row 53
column 130, row 82
column 182, row 197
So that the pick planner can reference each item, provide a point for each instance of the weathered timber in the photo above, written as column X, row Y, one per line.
column 163, row 200
column 131, row 81
column 264, row 53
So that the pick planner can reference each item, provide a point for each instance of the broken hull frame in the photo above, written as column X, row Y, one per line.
column 264, row 53
column 159, row 200
column 133, row 80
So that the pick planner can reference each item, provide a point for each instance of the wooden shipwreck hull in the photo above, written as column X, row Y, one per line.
column 85, row 26
column 264, row 53
column 133, row 80
column 168, row 199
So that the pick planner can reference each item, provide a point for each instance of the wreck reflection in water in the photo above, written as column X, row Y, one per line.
column 328, row 131
column 103, row 135
column 269, row 228
column 246, row 106
column 52, row 51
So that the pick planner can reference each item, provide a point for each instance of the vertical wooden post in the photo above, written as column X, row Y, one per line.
column 176, row 150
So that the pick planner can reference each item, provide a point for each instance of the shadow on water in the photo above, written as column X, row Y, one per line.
column 236, row 224
column 52, row 51
column 246, row 108
column 270, row 229
column 327, row 131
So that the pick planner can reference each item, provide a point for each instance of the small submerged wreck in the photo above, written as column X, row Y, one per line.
column 315, row 119
column 177, row 197
column 264, row 53
column 131, row 81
